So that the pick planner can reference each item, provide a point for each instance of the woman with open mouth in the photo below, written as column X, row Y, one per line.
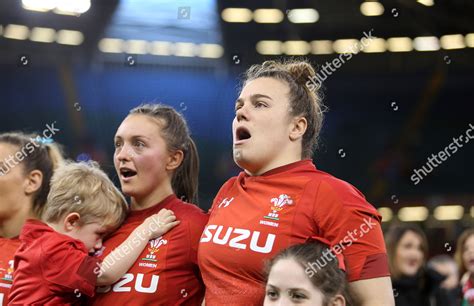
column 281, row 199
column 157, row 164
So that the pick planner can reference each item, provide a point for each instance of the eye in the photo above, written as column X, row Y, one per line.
column 117, row 144
column 297, row 296
column 260, row 104
column 139, row 144
column 272, row 294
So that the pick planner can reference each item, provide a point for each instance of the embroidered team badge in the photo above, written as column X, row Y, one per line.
column 154, row 248
column 278, row 204
column 8, row 276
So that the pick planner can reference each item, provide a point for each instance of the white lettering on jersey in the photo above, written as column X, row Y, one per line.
column 240, row 241
column 121, row 285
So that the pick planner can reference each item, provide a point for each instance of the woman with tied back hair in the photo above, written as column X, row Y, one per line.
column 157, row 164
column 281, row 199
column 26, row 166
column 291, row 281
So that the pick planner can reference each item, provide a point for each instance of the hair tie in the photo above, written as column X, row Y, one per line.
column 44, row 140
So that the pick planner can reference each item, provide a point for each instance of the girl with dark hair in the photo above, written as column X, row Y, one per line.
column 157, row 164
column 291, row 280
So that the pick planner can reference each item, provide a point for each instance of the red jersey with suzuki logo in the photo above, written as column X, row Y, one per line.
column 166, row 272
column 255, row 217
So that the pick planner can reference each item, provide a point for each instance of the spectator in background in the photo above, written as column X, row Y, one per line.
column 465, row 259
column 446, row 265
column 413, row 282
column 291, row 280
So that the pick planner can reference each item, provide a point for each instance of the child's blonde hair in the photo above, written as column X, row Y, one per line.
column 85, row 189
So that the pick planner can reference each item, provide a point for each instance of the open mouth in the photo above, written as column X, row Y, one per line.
column 242, row 134
column 127, row 173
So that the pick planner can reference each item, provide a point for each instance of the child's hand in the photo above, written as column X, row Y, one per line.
column 160, row 223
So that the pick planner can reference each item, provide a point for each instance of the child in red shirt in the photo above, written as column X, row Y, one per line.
column 53, row 263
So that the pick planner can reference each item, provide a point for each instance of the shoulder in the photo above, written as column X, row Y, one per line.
column 188, row 211
column 331, row 186
column 58, row 245
column 8, row 246
column 9, row 243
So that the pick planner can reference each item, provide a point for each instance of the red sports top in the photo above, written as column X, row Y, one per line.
column 51, row 268
column 255, row 217
column 8, row 248
column 166, row 272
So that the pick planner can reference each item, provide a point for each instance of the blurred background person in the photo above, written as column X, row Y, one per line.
column 447, row 266
column 413, row 282
column 465, row 259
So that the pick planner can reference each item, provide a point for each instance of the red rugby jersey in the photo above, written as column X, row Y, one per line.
column 51, row 268
column 255, row 217
column 166, row 272
column 8, row 248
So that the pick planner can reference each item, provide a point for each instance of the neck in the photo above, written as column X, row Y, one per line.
column 54, row 226
column 158, row 195
column 273, row 165
column 11, row 227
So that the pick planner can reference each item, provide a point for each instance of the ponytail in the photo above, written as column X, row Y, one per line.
column 185, row 180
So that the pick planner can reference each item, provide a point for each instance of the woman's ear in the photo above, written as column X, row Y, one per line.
column 298, row 128
column 174, row 160
column 33, row 182
column 338, row 300
column 71, row 221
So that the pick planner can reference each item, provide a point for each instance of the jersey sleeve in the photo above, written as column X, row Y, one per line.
column 196, row 224
column 349, row 222
column 70, row 269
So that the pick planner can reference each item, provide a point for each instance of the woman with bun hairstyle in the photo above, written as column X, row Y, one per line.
column 281, row 199
column 27, row 163
column 157, row 164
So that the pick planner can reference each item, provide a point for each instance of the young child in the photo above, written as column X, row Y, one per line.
column 303, row 274
column 54, row 264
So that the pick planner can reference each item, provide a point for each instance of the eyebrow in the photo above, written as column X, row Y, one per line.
column 290, row 289
column 133, row 137
column 254, row 97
